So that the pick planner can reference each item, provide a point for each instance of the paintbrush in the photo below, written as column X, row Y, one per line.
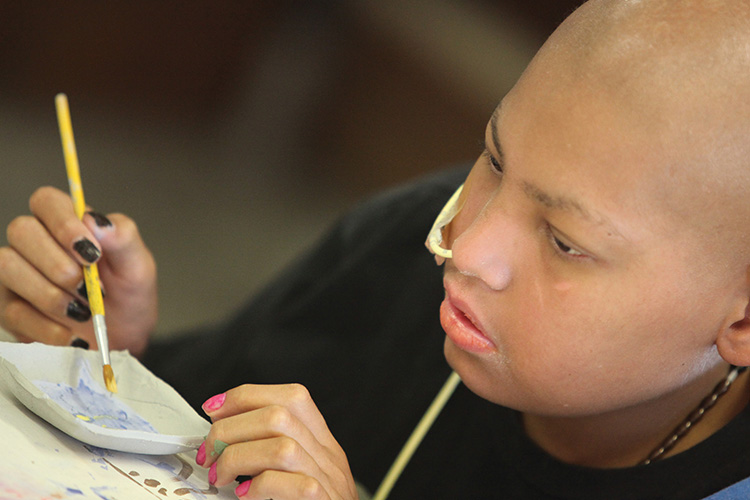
column 90, row 272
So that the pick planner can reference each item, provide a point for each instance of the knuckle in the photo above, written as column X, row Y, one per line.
column 310, row 487
column 278, row 418
column 50, row 300
column 67, row 274
column 287, row 452
column 298, row 394
column 41, row 196
column 19, row 226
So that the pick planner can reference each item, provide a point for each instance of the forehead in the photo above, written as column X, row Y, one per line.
column 577, row 140
column 572, row 151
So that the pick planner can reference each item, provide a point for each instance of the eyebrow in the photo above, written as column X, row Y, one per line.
column 562, row 203
column 536, row 194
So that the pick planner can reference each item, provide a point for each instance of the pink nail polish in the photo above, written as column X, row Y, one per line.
column 214, row 403
column 243, row 488
column 212, row 473
column 200, row 457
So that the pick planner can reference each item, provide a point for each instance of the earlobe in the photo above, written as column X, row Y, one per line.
column 733, row 341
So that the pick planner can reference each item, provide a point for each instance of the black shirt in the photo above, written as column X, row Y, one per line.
column 356, row 321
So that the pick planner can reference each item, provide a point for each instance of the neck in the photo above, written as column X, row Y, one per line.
column 625, row 437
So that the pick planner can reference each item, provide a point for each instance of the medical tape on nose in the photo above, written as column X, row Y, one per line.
column 435, row 236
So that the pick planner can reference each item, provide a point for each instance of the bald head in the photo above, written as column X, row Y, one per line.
column 660, row 51
column 679, row 72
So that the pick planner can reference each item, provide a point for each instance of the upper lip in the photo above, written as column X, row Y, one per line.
column 462, row 305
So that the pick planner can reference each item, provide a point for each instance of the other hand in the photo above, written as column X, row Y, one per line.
column 277, row 435
column 42, row 297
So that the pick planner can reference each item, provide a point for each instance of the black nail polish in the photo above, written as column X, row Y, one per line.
column 100, row 219
column 80, row 343
column 78, row 311
column 82, row 290
column 87, row 250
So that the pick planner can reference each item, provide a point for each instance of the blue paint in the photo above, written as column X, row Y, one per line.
column 95, row 450
column 100, row 491
column 73, row 491
column 90, row 402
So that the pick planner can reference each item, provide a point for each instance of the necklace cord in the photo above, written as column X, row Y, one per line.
column 694, row 417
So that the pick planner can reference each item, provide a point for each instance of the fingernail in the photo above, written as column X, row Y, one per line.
column 78, row 311
column 87, row 250
column 79, row 342
column 100, row 219
column 214, row 403
column 243, row 488
column 200, row 457
column 212, row 473
column 81, row 290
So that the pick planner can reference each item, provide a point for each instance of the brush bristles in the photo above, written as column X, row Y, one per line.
column 109, row 379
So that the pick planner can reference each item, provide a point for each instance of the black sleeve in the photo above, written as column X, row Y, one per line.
column 355, row 320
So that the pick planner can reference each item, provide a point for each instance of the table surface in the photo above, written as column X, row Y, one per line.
column 42, row 462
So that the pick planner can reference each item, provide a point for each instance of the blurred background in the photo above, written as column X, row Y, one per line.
column 235, row 132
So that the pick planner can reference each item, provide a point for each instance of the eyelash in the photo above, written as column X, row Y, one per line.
column 562, row 248
column 494, row 163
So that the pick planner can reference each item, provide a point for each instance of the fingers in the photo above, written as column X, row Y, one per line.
column 42, row 270
column 294, row 397
column 19, row 316
column 254, row 457
column 42, row 297
column 266, row 423
column 54, row 210
column 31, row 240
column 278, row 485
column 277, row 435
column 55, row 316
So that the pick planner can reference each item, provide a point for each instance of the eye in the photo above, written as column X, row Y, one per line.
column 563, row 248
column 494, row 162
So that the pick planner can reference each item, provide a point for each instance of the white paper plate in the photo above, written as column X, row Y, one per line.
column 153, row 417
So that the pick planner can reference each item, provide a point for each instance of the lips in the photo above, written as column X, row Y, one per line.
column 460, row 327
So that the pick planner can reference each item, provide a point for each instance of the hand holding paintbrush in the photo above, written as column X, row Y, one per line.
column 90, row 272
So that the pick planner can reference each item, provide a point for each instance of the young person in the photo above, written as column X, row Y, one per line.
column 594, row 296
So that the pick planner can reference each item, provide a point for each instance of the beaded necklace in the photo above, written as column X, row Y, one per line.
column 694, row 417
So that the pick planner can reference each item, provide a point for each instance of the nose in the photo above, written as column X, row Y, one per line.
column 486, row 248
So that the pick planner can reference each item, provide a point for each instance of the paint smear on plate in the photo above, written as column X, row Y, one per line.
column 92, row 403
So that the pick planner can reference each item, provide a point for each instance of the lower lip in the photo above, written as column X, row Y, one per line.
column 461, row 331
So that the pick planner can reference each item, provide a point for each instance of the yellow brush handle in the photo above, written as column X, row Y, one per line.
column 71, row 156
column 93, row 290
column 90, row 273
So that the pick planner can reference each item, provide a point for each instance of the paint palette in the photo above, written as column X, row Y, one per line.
column 59, row 384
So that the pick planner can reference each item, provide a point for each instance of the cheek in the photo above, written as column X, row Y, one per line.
column 592, row 347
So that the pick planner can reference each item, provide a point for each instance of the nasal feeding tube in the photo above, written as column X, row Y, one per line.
column 445, row 217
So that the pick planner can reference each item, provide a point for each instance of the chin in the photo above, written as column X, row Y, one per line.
column 477, row 376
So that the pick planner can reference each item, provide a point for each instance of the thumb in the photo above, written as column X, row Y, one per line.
column 128, row 272
column 124, row 252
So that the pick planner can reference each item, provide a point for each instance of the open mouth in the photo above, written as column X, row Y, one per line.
column 461, row 329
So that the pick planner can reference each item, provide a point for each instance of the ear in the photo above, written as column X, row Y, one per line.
column 733, row 341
